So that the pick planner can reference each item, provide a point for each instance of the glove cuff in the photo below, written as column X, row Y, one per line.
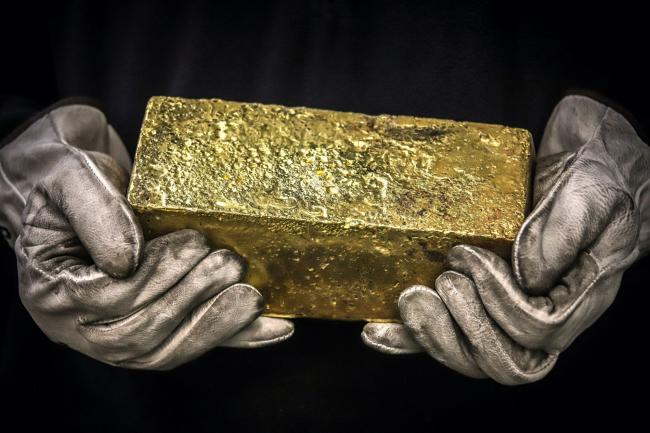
column 24, row 125
column 32, row 151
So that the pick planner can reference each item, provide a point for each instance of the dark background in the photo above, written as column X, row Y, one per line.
column 484, row 62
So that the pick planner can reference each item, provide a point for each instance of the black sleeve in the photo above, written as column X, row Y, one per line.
column 27, row 80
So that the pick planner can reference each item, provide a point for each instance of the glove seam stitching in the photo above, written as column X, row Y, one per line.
column 376, row 345
column 598, row 128
column 553, row 191
column 11, row 184
column 537, row 212
column 255, row 343
column 550, row 360
column 622, row 177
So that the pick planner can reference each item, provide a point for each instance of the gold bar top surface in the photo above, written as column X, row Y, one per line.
column 335, row 212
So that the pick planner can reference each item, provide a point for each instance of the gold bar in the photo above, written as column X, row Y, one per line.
column 336, row 212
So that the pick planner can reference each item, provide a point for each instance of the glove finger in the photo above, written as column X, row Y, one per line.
column 264, row 331
column 576, row 210
column 208, row 325
column 495, row 353
column 428, row 319
column 145, row 329
column 548, row 322
column 166, row 260
column 390, row 338
column 98, row 213
column 526, row 319
column 49, row 251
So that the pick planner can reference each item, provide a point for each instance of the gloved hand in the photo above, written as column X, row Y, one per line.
column 87, row 277
column 590, row 222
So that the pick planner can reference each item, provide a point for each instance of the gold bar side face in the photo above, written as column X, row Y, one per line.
column 335, row 212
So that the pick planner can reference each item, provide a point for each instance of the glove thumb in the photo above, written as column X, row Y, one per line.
column 92, row 201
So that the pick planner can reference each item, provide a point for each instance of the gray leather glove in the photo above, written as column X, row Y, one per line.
column 87, row 277
column 590, row 222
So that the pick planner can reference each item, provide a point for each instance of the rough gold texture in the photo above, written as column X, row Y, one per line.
column 336, row 212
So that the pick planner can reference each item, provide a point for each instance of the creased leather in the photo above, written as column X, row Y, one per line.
column 591, row 220
column 86, row 275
